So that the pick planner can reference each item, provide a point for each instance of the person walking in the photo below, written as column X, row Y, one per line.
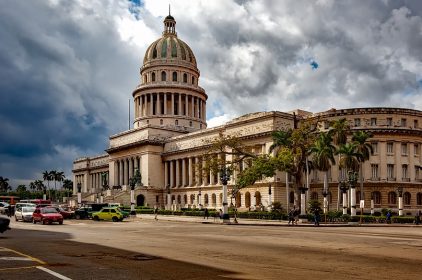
column 388, row 217
column 418, row 217
column 317, row 216
column 206, row 213
column 155, row 212
column 291, row 216
column 296, row 216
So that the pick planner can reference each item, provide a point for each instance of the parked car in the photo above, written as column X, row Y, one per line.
column 46, row 215
column 125, row 213
column 3, row 207
column 83, row 213
column 4, row 224
column 108, row 214
column 24, row 214
column 19, row 205
column 64, row 213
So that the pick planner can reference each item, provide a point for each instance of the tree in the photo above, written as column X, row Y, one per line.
column 323, row 157
column 4, row 184
column 365, row 149
column 53, row 177
column 59, row 176
column 68, row 185
column 349, row 157
column 47, row 177
column 32, row 186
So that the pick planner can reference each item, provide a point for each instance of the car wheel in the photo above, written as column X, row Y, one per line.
column 16, row 218
column 44, row 221
column 77, row 217
column 60, row 222
column 96, row 218
column 115, row 219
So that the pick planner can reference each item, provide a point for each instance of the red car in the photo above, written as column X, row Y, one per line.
column 47, row 215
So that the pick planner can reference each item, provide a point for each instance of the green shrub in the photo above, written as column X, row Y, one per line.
column 345, row 218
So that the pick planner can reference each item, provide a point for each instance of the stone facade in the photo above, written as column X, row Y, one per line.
column 170, row 137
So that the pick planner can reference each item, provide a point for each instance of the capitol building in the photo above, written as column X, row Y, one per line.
column 170, row 136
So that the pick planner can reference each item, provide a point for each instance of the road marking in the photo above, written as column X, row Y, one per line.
column 28, row 256
column 16, row 268
column 58, row 275
column 16, row 259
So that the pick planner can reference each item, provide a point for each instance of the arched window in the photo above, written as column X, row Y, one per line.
column 406, row 198
column 392, row 198
column 214, row 200
column 154, row 53
column 153, row 76
column 221, row 198
column 238, row 200
column 292, row 197
column 247, row 200
column 258, row 198
column 161, row 122
column 190, row 123
column 206, row 199
column 176, row 122
column 193, row 80
column 357, row 196
column 179, row 199
column 185, row 199
column 174, row 76
column 163, row 76
column 185, row 78
column 173, row 199
column 192, row 199
column 314, row 196
column 376, row 196
column 419, row 198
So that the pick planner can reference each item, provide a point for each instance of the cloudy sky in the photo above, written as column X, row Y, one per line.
column 68, row 68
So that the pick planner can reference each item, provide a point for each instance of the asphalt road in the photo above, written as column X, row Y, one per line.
column 148, row 249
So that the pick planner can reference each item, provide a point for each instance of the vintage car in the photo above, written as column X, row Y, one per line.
column 4, row 224
column 108, row 214
column 24, row 214
column 83, row 213
column 47, row 215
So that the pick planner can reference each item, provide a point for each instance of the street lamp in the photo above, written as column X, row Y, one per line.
column 269, row 198
column 400, row 192
column 325, row 194
column 353, row 178
column 79, row 186
column 344, row 188
column 199, row 199
column 136, row 180
column 224, row 178
column 303, row 199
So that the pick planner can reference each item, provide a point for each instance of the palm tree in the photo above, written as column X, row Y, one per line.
column 32, row 186
column 323, row 157
column 4, row 184
column 281, row 139
column 59, row 176
column 53, row 174
column 365, row 149
column 39, row 185
column 68, row 185
column 339, row 130
column 46, row 176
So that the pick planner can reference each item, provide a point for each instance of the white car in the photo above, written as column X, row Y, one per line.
column 24, row 214
column 24, row 204
column 3, row 207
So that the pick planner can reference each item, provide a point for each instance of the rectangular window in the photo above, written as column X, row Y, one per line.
column 374, row 148
column 417, row 172
column 357, row 122
column 415, row 124
column 404, row 171
column 390, row 148
column 403, row 122
column 390, row 172
column 374, row 172
column 373, row 121
column 416, row 148
column 390, row 121
column 326, row 125
column 343, row 174
column 404, row 149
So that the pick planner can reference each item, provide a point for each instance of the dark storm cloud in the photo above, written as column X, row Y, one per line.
column 63, row 87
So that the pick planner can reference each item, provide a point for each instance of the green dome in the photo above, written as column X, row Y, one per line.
column 169, row 47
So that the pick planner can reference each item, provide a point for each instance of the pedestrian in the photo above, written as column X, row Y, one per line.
column 155, row 212
column 206, row 213
column 9, row 210
column 418, row 217
column 291, row 216
column 317, row 216
column 296, row 216
column 220, row 212
column 388, row 217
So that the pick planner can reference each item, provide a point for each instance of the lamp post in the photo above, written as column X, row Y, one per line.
column 134, row 181
column 79, row 186
column 303, row 200
column 269, row 198
column 98, row 198
column 372, row 204
column 325, row 194
column 44, row 193
column 344, row 188
column 353, row 178
column 400, row 192
column 199, row 199
column 224, row 178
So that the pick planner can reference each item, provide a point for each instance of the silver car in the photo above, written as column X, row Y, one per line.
column 24, row 214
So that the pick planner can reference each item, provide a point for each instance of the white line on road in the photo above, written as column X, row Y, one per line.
column 58, row 275
column 16, row 259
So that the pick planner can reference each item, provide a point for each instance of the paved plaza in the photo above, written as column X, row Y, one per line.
column 187, row 248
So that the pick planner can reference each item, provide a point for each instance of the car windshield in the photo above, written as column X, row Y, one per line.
column 28, row 209
column 48, row 210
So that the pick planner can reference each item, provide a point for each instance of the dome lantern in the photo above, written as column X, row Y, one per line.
column 169, row 25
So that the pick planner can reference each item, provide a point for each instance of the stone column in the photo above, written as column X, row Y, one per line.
column 120, row 181
column 166, row 175
column 197, row 172
column 400, row 203
column 172, row 104
column 183, row 172
column 126, row 172
column 171, row 174
column 198, row 107
column 212, row 181
column 140, row 106
column 193, row 105
column 186, row 105
column 190, row 170
column 165, row 103
column 352, row 201
column 157, row 105
column 177, row 173
column 116, row 175
column 204, row 114
column 130, row 168
column 151, row 105
column 136, row 164
column 372, row 206
column 180, row 104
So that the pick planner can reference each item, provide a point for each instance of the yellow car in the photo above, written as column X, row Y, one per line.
column 109, row 214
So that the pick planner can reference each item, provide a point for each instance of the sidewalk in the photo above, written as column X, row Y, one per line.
column 256, row 222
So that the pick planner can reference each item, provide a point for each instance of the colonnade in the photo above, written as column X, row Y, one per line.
column 97, row 180
column 80, row 179
column 124, row 169
column 152, row 104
